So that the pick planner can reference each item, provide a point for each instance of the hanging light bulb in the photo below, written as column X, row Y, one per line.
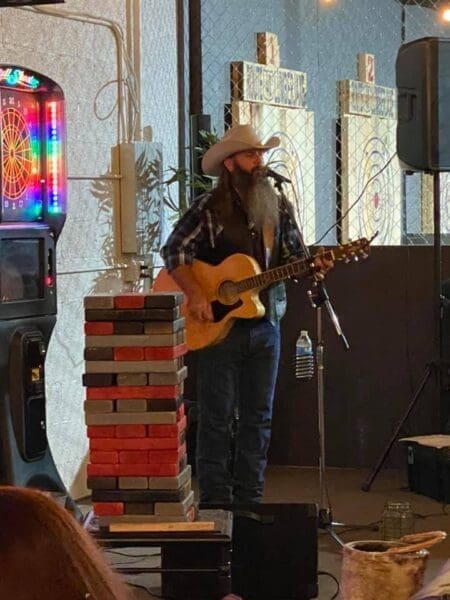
column 444, row 13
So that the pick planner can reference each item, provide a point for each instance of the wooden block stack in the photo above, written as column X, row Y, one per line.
column 138, row 470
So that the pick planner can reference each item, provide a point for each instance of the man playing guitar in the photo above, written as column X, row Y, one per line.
column 242, row 215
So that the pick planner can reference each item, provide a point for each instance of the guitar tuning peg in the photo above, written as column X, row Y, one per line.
column 364, row 255
column 346, row 260
column 355, row 258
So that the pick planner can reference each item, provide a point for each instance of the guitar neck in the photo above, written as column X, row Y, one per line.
column 292, row 269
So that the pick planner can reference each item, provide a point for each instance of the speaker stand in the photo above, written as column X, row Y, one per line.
column 433, row 368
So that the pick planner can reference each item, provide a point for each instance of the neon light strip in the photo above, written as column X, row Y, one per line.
column 34, row 190
column 54, row 159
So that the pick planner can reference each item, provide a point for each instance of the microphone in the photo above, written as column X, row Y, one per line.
column 277, row 176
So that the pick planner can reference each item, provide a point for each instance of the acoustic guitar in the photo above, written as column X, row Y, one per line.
column 232, row 287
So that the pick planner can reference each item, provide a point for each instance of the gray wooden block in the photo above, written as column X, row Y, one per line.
column 139, row 508
column 161, row 404
column 99, row 301
column 129, row 366
column 105, row 521
column 152, row 327
column 102, row 483
column 143, row 495
column 163, row 299
column 98, row 354
column 99, row 406
column 132, row 314
column 132, row 405
column 170, row 483
column 131, row 378
column 184, row 490
column 174, row 508
column 167, row 378
column 99, row 379
column 160, row 339
column 148, row 418
column 128, row 327
column 133, row 483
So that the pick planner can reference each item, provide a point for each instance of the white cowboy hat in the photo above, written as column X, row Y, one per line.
column 236, row 139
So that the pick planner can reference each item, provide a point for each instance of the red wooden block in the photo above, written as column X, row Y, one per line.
column 98, row 328
column 162, row 456
column 133, row 391
column 130, row 431
column 164, row 352
column 166, row 456
column 108, row 508
column 129, row 301
column 154, row 470
column 104, row 457
column 102, row 470
column 168, row 443
column 131, row 353
column 101, row 431
column 167, row 430
column 163, row 443
column 130, row 457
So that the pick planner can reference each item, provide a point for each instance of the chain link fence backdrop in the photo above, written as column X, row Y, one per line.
column 327, row 88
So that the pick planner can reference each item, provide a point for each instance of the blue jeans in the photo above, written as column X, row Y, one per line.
column 238, row 373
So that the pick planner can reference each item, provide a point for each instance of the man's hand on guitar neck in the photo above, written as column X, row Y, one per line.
column 196, row 301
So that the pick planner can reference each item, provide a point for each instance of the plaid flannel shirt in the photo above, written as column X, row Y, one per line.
column 199, row 225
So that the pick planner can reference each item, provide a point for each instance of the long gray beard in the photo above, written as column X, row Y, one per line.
column 258, row 198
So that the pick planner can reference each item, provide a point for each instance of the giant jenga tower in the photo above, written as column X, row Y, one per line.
column 138, row 470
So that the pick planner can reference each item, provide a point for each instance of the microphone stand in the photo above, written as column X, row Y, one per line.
column 319, row 298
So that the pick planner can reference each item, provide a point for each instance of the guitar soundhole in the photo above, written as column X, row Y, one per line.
column 227, row 293
column 221, row 310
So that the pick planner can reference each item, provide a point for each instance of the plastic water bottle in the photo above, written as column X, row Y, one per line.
column 304, row 358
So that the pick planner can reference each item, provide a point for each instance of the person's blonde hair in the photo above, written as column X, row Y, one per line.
column 46, row 555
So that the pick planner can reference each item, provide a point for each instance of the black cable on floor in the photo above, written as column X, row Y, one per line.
column 374, row 526
column 147, row 555
column 336, row 593
column 144, row 587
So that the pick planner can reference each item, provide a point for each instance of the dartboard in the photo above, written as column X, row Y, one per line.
column 371, row 185
column 374, row 208
column 16, row 153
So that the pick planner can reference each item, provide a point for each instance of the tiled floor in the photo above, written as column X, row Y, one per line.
column 351, row 506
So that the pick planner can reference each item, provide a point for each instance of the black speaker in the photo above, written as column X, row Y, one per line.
column 423, row 82
column 274, row 551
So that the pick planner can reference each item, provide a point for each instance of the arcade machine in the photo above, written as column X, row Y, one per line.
column 33, row 191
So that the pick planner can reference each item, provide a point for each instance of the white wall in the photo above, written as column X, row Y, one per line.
column 158, row 47
column 81, row 58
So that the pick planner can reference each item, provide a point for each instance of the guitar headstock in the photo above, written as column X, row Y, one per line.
column 353, row 250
